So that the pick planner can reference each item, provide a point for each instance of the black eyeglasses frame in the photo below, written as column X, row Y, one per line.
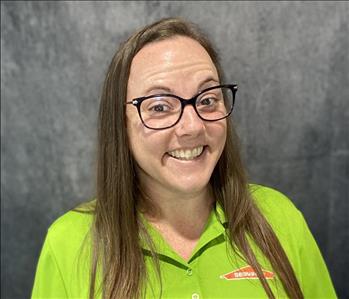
column 184, row 102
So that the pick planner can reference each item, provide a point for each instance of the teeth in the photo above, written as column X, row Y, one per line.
column 187, row 154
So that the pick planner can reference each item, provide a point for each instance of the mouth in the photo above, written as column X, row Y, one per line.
column 187, row 154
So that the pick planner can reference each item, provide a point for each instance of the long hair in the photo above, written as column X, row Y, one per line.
column 116, row 251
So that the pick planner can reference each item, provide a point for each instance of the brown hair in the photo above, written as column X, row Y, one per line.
column 116, row 230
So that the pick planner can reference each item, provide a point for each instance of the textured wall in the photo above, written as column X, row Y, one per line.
column 290, row 60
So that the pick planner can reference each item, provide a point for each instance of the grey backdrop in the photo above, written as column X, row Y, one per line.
column 290, row 60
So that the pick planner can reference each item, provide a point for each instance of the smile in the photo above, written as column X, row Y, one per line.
column 186, row 154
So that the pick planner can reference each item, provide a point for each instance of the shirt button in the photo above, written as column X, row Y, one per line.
column 190, row 273
column 195, row 296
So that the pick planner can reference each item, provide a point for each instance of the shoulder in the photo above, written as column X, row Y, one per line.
column 72, row 223
column 278, row 209
column 272, row 202
column 296, row 239
column 68, row 232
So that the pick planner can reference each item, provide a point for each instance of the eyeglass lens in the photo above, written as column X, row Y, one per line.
column 164, row 111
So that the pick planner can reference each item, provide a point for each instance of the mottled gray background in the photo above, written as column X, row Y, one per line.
column 290, row 60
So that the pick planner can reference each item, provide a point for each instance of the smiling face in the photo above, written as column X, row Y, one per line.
column 178, row 160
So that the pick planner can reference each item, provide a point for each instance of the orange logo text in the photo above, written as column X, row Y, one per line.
column 246, row 273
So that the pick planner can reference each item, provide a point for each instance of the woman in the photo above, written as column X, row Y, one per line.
column 174, row 215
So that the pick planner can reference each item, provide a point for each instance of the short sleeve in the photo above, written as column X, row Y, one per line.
column 316, row 281
column 48, row 281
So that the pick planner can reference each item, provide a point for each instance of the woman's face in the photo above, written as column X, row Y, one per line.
column 180, row 66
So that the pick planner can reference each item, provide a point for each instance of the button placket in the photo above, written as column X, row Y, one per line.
column 189, row 272
column 195, row 296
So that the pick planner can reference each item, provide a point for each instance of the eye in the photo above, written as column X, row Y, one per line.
column 159, row 107
column 207, row 101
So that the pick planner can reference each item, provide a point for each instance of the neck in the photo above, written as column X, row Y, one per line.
column 185, row 213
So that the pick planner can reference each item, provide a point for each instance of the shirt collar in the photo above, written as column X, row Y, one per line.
column 214, row 229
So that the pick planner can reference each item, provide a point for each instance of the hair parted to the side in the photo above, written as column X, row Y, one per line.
column 116, row 251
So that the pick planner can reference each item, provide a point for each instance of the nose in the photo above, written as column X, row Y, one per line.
column 190, row 123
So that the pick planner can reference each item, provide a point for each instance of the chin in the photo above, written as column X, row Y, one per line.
column 190, row 186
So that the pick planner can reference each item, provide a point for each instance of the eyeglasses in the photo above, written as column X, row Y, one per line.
column 162, row 111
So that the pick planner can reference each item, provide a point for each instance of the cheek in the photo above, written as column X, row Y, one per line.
column 218, row 132
column 145, row 144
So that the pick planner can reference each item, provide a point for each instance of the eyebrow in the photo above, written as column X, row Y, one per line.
column 169, row 90
column 208, row 80
column 164, row 88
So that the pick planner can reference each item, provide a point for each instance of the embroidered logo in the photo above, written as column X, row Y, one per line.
column 246, row 272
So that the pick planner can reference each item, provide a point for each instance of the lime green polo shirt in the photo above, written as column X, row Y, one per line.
column 212, row 271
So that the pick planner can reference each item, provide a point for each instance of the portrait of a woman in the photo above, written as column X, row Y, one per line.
column 174, row 214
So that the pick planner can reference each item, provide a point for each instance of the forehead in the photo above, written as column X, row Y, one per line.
column 175, row 57
column 185, row 46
